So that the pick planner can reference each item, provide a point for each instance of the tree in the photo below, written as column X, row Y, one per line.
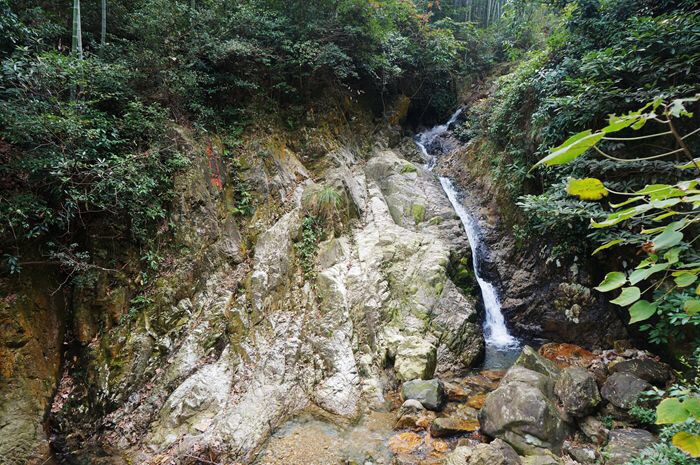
column 77, row 42
column 103, row 25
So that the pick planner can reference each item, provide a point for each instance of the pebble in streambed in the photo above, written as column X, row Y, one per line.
column 380, row 438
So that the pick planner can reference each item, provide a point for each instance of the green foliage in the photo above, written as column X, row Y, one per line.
column 307, row 247
column 326, row 204
column 68, row 160
column 664, row 214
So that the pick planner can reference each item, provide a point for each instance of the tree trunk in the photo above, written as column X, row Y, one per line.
column 103, row 29
column 77, row 42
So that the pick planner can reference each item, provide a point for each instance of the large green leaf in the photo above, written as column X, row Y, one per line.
column 642, row 310
column 667, row 239
column 690, row 165
column 586, row 189
column 628, row 296
column 691, row 307
column 608, row 245
column 661, row 191
column 620, row 216
column 671, row 411
column 642, row 274
column 687, row 442
column 612, row 281
column 617, row 123
column 571, row 148
column 685, row 279
column 673, row 255
column 692, row 405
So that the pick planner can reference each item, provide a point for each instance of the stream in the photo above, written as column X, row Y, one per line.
column 501, row 347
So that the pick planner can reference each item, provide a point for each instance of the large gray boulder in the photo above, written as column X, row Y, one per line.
column 577, row 391
column 416, row 358
column 431, row 393
column 626, row 444
column 524, row 375
column 623, row 389
column 496, row 453
column 522, row 415
column 644, row 368
column 594, row 430
column 531, row 360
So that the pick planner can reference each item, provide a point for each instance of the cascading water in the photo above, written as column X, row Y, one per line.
column 500, row 344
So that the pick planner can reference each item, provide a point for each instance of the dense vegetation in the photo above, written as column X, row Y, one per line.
column 89, row 129
column 90, row 135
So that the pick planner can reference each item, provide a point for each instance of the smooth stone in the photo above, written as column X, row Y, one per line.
column 430, row 393
column 497, row 452
column 448, row 426
column 524, row 417
column 532, row 360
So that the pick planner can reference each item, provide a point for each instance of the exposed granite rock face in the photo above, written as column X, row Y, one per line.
column 31, row 334
column 239, row 337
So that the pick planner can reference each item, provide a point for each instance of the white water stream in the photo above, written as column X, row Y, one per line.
column 495, row 331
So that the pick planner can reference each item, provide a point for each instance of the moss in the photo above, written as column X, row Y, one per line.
column 439, row 287
column 418, row 213
column 408, row 168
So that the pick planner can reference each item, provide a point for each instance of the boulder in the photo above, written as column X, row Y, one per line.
column 531, row 360
column 582, row 453
column 496, row 453
column 524, row 417
column 431, row 393
column 449, row 426
column 623, row 389
column 409, row 414
column 626, row 444
column 523, row 375
column 566, row 355
column 577, row 391
column 459, row 456
column 594, row 430
column 540, row 460
column 644, row 368
column 416, row 358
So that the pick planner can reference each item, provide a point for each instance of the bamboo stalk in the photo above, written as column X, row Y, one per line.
column 77, row 39
column 103, row 28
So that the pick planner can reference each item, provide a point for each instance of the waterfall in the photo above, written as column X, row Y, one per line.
column 495, row 330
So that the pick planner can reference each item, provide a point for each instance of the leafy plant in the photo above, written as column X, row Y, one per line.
column 665, row 214
column 308, row 245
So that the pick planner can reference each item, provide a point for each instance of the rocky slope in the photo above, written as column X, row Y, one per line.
column 249, row 324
